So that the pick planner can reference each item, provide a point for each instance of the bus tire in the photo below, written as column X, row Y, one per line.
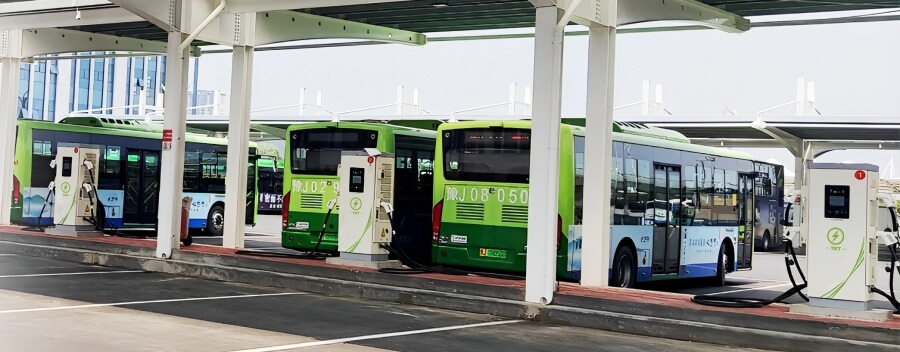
column 624, row 270
column 215, row 221
column 719, row 279
column 766, row 242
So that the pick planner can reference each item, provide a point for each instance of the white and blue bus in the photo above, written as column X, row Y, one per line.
column 678, row 210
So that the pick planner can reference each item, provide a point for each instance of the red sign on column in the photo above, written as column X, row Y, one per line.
column 167, row 139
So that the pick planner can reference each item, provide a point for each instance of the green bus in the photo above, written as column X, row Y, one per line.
column 129, row 172
column 311, row 181
column 678, row 210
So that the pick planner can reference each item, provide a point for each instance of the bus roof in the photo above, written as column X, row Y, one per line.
column 86, row 124
column 381, row 127
column 651, row 136
column 104, row 122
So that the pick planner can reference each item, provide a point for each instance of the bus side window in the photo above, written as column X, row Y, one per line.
column 404, row 176
column 425, row 168
column 111, row 168
column 579, row 179
column 690, row 195
column 618, row 179
column 41, row 173
column 705, row 210
column 645, row 188
column 192, row 172
column 633, row 212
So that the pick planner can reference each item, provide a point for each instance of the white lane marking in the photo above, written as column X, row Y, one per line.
column 376, row 336
column 147, row 302
column 78, row 273
column 7, row 255
column 748, row 289
column 759, row 280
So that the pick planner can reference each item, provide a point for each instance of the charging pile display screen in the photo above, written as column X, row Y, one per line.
column 356, row 179
column 67, row 166
column 837, row 202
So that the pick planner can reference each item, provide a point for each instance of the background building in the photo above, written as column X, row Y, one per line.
column 206, row 102
column 52, row 89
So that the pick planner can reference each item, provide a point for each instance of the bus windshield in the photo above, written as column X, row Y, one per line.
column 318, row 152
column 487, row 154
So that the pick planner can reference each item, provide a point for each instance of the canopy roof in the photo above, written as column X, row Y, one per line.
column 430, row 16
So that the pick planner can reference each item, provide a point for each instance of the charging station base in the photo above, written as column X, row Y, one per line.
column 73, row 231
column 371, row 261
column 869, row 315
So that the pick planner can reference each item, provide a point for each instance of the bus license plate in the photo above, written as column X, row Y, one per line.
column 492, row 253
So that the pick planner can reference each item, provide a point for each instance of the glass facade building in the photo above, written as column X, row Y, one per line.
column 38, row 90
column 94, row 85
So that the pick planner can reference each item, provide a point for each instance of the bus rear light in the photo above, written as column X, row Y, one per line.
column 436, row 216
column 15, row 190
column 285, row 206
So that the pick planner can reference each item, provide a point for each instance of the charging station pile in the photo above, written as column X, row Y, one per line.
column 839, row 219
column 77, row 210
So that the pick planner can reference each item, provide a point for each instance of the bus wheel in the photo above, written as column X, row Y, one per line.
column 766, row 245
column 624, row 268
column 215, row 221
column 719, row 279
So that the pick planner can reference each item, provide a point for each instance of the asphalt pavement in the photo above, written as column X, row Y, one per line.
column 767, row 279
column 50, row 305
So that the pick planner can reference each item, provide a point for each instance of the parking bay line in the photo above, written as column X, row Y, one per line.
column 377, row 336
column 78, row 273
column 83, row 306
column 756, row 280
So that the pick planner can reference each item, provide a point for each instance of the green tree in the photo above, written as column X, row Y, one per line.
column 269, row 149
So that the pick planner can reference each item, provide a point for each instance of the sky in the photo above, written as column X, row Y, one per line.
column 702, row 72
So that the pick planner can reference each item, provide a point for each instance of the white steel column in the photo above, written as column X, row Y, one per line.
column 799, row 176
column 172, row 169
column 595, row 245
column 9, row 91
column 543, row 200
column 238, row 145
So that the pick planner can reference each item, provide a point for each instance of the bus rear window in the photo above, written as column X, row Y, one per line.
column 487, row 154
column 318, row 152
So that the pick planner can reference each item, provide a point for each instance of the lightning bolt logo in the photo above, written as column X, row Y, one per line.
column 835, row 236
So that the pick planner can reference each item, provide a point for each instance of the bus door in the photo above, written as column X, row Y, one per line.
column 141, row 186
column 665, row 209
column 747, row 211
